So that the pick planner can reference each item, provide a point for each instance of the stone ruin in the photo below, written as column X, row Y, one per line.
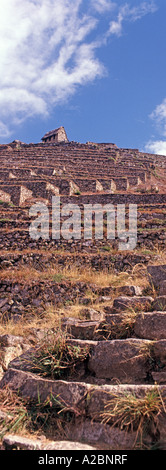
column 123, row 359
column 88, row 173
column 55, row 136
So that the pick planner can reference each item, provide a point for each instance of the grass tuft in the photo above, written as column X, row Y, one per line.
column 132, row 413
column 56, row 357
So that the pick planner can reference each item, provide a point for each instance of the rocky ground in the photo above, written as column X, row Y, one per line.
column 92, row 372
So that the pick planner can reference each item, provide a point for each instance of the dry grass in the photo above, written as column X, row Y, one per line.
column 134, row 414
column 26, row 324
column 119, row 330
column 15, row 413
column 31, row 419
column 52, row 315
column 56, row 357
column 72, row 273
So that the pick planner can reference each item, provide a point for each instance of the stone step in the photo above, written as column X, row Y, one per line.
column 137, row 303
column 87, row 330
column 88, row 404
column 145, row 325
column 123, row 360
column 151, row 325
column 15, row 442
column 130, row 360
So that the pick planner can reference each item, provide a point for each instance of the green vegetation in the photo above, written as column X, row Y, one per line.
column 56, row 356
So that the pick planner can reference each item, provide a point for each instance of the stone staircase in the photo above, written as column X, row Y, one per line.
column 114, row 397
column 125, row 362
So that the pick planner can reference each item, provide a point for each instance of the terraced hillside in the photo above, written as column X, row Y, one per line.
column 82, row 330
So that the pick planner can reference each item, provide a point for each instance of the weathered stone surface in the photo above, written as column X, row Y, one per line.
column 157, row 274
column 123, row 360
column 162, row 288
column 25, row 361
column 159, row 377
column 11, row 340
column 91, row 314
column 150, row 325
column 159, row 303
column 81, row 329
column 102, row 435
column 11, row 442
column 34, row 387
column 86, row 399
column 10, row 347
column 88, row 403
column 129, row 290
column 102, row 395
column 159, row 350
column 135, row 303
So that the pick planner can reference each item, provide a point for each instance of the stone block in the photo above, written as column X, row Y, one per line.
column 129, row 290
column 14, row 442
column 134, row 303
column 157, row 274
column 159, row 303
column 150, row 325
column 123, row 360
column 162, row 288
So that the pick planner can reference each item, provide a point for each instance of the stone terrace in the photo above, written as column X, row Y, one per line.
column 118, row 321
column 81, row 174
column 81, row 167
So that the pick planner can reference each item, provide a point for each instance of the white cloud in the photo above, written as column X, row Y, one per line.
column 159, row 115
column 132, row 14
column 157, row 147
column 4, row 131
column 101, row 6
column 159, row 118
column 44, row 55
column 46, row 52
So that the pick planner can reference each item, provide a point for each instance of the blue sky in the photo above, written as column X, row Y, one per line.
column 96, row 67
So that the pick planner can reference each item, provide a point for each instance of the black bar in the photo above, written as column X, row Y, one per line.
column 76, row 459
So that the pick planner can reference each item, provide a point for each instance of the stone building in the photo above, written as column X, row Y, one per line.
column 55, row 136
